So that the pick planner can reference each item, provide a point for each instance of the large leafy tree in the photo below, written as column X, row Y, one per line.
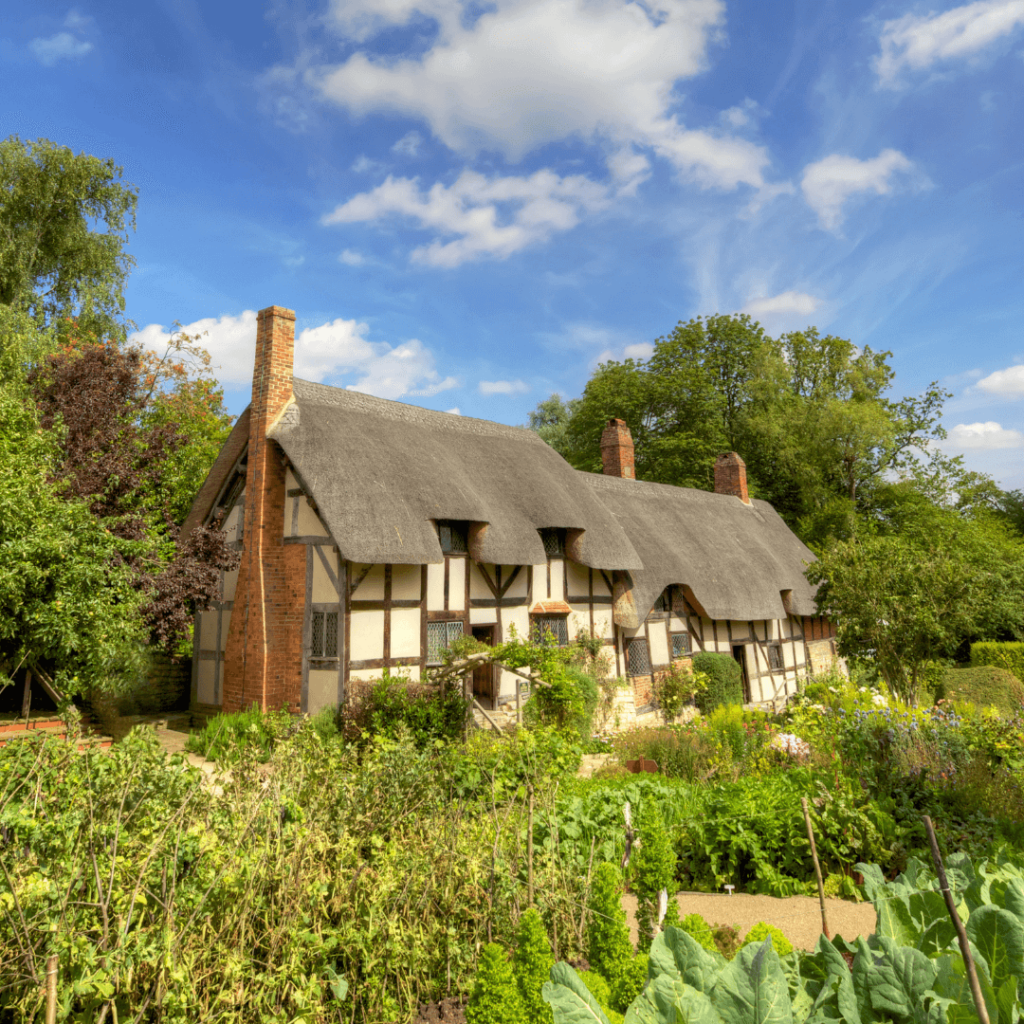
column 64, row 222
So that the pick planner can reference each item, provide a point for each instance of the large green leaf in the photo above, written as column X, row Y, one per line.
column 674, row 952
column 752, row 989
column 669, row 1000
column 951, row 983
column 570, row 999
column 999, row 937
column 836, row 998
column 890, row 980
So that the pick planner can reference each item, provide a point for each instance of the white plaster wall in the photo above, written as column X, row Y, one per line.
column 367, row 635
column 365, row 673
column 603, row 625
column 309, row 521
column 208, row 631
column 372, row 588
column 323, row 690
column 600, row 587
column 206, row 682
column 234, row 518
column 405, row 632
column 659, row 644
column 540, row 583
column 435, row 588
column 323, row 588
column 740, row 630
column 519, row 617
column 579, row 580
column 482, row 616
column 477, row 585
column 457, row 584
column 677, row 624
column 405, row 582
column 230, row 583
column 557, row 579
column 519, row 586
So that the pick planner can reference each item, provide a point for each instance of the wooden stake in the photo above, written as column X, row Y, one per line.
column 529, row 847
column 961, row 932
column 51, row 990
column 817, row 868
column 26, row 696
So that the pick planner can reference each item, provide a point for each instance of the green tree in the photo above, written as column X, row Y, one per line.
column 551, row 419
column 914, row 584
column 64, row 222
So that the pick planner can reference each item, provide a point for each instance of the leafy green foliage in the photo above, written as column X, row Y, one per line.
column 652, row 869
column 762, row 931
column 677, row 687
column 984, row 685
column 725, row 680
column 229, row 738
column 607, row 945
column 532, row 961
column 629, row 982
column 698, row 929
column 428, row 712
column 495, row 997
column 1009, row 656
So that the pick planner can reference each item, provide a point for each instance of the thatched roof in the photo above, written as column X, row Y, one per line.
column 381, row 471
column 736, row 559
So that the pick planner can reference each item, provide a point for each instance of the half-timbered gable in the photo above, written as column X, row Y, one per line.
column 373, row 534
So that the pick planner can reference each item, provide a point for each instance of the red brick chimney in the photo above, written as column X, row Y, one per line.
column 731, row 476
column 263, row 657
column 617, row 450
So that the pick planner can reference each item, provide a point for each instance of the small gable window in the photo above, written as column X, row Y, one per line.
column 440, row 636
column 554, row 625
column 554, row 542
column 638, row 657
column 324, row 635
column 680, row 645
column 775, row 663
column 664, row 603
column 452, row 535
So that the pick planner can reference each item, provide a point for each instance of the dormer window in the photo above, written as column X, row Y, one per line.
column 554, row 542
column 452, row 534
column 663, row 605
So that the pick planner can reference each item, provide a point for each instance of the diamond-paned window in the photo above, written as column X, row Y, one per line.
column 638, row 657
column 324, row 635
column 440, row 636
column 664, row 602
column 680, row 645
column 556, row 625
column 775, row 662
column 554, row 543
column 452, row 534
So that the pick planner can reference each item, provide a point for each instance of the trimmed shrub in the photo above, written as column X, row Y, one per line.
column 531, row 963
column 725, row 680
column 1000, row 655
column 602, row 992
column 761, row 931
column 630, row 982
column 986, row 686
column 697, row 928
column 495, row 997
column 607, row 945
column 653, row 868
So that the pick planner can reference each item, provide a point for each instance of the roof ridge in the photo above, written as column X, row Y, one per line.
column 358, row 401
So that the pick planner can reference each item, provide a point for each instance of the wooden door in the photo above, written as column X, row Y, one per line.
column 484, row 688
column 739, row 653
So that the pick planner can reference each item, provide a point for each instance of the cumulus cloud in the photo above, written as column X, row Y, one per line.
column 66, row 45
column 1008, row 383
column 917, row 42
column 785, row 302
column 502, row 387
column 983, row 436
column 333, row 350
column 487, row 217
column 828, row 184
column 352, row 258
column 408, row 145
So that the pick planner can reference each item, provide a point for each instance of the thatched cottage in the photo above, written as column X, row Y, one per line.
column 373, row 533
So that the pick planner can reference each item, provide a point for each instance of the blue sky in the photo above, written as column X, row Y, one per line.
column 469, row 204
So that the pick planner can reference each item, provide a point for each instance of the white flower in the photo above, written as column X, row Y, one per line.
column 791, row 745
column 878, row 700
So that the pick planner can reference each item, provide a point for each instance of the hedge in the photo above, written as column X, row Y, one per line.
column 726, row 680
column 1002, row 655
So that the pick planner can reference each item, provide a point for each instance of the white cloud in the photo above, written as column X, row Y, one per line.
column 352, row 258
column 364, row 165
column 785, row 302
column 454, row 411
column 331, row 350
column 916, row 42
column 983, row 436
column 408, row 145
column 488, row 217
column 828, row 184
column 641, row 350
column 1008, row 383
column 525, row 73
column 66, row 45
column 503, row 387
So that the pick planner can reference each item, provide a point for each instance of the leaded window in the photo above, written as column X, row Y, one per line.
column 680, row 645
column 556, row 625
column 664, row 602
column 554, row 542
column 638, row 657
column 324, row 638
column 440, row 636
column 775, row 658
column 452, row 534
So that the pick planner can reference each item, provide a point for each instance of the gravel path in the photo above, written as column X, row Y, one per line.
column 797, row 917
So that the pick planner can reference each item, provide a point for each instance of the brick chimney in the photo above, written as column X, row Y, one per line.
column 263, row 656
column 617, row 450
column 731, row 476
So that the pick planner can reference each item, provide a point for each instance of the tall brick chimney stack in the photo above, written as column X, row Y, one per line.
column 617, row 450
column 263, row 656
column 731, row 476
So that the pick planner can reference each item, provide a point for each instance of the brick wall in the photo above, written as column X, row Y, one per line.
column 263, row 658
column 617, row 453
column 731, row 476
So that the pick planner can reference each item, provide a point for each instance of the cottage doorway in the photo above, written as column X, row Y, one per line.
column 483, row 677
column 738, row 652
